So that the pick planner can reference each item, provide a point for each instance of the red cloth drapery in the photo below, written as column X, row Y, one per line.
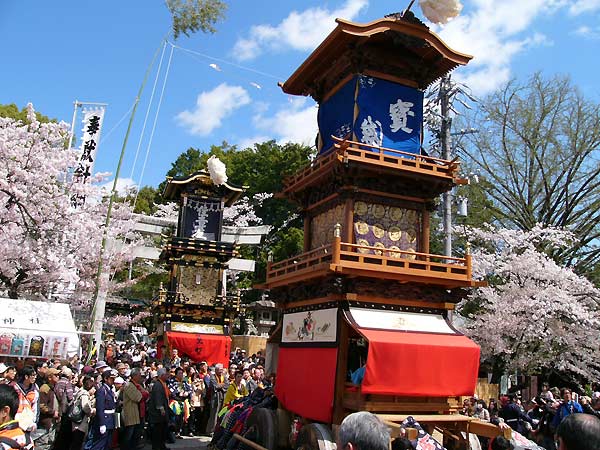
column 306, row 381
column 419, row 364
column 212, row 348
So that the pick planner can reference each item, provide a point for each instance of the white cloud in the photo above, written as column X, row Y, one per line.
column 296, row 123
column 249, row 142
column 212, row 107
column 299, row 30
column 587, row 32
column 584, row 6
column 124, row 186
column 494, row 33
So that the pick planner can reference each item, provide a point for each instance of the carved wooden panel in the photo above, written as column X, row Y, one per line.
column 198, row 284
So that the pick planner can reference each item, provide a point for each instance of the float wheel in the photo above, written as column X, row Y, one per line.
column 261, row 428
column 315, row 436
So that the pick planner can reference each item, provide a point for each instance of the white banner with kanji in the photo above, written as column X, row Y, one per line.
column 92, row 125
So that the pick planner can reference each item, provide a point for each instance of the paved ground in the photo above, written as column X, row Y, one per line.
column 187, row 443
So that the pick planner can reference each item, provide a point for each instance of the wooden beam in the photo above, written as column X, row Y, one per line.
column 484, row 429
column 425, row 232
column 340, row 374
column 248, row 442
column 307, row 235
column 398, row 301
column 313, row 301
column 349, row 220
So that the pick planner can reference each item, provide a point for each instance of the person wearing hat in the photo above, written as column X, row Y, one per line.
column 65, row 394
column 9, row 375
column 514, row 416
column 134, row 410
column 122, row 369
column 103, row 424
column 158, row 410
column 49, row 407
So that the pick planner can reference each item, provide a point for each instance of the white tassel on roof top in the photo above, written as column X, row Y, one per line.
column 440, row 11
column 217, row 170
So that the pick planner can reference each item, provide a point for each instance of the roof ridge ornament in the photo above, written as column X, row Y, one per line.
column 436, row 11
column 440, row 11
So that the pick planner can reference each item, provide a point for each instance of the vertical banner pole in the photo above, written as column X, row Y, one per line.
column 100, row 300
column 72, row 132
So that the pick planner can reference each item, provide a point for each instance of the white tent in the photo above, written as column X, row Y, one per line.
column 31, row 329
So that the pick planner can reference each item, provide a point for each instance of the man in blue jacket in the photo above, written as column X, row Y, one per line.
column 103, row 424
column 566, row 408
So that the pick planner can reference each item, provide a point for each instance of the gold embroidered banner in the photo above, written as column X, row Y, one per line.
column 386, row 227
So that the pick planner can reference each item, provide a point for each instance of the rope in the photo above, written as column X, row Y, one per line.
column 105, row 137
column 137, row 151
column 162, row 92
column 224, row 61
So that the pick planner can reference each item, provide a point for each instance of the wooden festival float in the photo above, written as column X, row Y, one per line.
column 194, row 312
column 367, row 292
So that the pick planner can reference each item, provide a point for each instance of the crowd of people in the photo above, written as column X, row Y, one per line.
column 135, row 393
column 365, row 431
column 139, row 393
column 541, row 417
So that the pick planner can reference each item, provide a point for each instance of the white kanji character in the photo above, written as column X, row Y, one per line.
column 372, row 133
column 399, row 113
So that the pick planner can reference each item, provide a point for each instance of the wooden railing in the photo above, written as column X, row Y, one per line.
column 383, row 156
column 390, row 157
column 300, row 264
column 392, row 260
column 319, row 163
column 341, row 255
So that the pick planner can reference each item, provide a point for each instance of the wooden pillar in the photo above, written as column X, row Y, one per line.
column 336, row 248
column 348, row 221
column 341, row 369
column 425, row 232
column 306, row 233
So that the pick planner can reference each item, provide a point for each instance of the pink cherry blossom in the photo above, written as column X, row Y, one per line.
column 534, row 315
column 48, row 249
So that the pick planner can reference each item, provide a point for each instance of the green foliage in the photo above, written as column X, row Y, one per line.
column 537, row 151
column 262, row 168
column 12, row 111
column 146, row 281
column 146, row 201
column 189, row 16
column 287, row 243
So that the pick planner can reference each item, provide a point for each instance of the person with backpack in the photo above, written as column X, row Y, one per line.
column 83, row 409
column 29, row 397
column 65, row 394
column 12, row 437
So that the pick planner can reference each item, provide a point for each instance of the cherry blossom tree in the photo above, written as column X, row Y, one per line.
column 534, row 315
column 47, row 247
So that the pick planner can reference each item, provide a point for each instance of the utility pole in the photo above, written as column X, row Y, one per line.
column 446, row 146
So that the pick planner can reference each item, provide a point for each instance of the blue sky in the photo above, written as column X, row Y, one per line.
column 57, row 52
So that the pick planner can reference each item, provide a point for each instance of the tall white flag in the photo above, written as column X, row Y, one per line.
column 92, row 125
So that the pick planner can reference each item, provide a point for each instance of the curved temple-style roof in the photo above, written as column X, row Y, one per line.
column 229, row 192
column 397, row 49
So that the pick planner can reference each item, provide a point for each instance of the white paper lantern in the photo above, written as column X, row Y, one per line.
column 440, row 11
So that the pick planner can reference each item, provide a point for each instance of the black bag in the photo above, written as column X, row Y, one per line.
column 75, row 410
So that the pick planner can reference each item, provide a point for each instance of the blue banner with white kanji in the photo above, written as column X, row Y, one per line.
column 390, row 115
column 336, row 115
